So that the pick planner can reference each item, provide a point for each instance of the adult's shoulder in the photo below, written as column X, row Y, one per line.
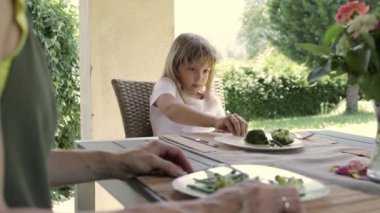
column 6, row 14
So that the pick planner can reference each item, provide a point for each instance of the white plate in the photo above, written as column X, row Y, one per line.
column 240, row 142
column 313, row 188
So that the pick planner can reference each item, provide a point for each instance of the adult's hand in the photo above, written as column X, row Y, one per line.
column 253, row 196
column 248, row 196
column 155, row 157
column 232, row 123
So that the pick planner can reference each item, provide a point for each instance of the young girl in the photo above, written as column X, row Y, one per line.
column 182, row 100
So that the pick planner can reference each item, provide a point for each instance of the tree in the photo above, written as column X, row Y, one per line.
column 55, row 23
column 255, row 27
column 306, row 22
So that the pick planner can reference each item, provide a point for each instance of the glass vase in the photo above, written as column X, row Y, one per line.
column 373, row 171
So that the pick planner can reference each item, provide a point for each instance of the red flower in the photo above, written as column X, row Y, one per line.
column 348, row 10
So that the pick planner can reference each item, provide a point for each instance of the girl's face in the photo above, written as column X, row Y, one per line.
column 193, row 76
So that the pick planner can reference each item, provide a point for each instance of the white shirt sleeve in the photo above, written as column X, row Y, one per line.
column 163, row 86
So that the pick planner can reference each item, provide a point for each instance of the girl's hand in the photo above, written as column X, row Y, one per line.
column 232, row 123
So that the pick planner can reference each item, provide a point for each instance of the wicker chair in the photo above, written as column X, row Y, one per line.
column 133, row 99
column 218, row 90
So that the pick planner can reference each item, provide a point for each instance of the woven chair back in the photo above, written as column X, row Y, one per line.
column 133, row 99
column 218, row 89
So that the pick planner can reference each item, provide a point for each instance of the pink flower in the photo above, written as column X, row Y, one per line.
column 362, row 24
column 348, row 10
column 357, row 165
column 354, row 169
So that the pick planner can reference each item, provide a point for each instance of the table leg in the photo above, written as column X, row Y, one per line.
column 85, row 197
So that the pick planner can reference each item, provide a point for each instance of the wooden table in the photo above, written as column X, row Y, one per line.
column 323, row 149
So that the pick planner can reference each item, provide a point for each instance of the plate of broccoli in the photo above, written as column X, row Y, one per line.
column 257, row 139
column 203, row 183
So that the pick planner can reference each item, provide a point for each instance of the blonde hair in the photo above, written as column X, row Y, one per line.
column 187, row 48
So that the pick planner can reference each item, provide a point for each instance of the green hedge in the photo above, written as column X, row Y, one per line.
column 264, row 94
column 55, row 23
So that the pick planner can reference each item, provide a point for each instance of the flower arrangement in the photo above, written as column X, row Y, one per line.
column 351, row 46
column 354, row 169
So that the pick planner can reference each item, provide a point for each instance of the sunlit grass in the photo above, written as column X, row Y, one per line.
column 361, row 123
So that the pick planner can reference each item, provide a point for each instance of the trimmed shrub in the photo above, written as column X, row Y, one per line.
column 264, row 94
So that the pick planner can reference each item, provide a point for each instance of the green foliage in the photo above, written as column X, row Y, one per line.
column 350, row 48
column 56, row 25
column 263, row 94
column 60, row 194
column 269, row 60
column 301, row 21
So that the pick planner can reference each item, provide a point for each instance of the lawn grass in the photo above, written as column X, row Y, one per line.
column 360, row 123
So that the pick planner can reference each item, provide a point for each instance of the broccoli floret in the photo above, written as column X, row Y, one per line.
column 292, row 182
column 257, row 137
column 282, row 136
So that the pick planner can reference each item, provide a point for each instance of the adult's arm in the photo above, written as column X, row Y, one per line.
column 69, row 167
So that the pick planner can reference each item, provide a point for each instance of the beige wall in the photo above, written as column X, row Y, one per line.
column 125, row 39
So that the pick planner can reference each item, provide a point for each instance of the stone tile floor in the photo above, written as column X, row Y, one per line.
column 65, row 206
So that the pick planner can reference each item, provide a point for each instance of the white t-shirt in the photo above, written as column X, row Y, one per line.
column 162, row 125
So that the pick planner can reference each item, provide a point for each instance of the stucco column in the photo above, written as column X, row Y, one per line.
column 126, row 39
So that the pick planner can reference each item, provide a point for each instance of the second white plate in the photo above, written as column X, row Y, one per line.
column 240, row 142
column 313, row 189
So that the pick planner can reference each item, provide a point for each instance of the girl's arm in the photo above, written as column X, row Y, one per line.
column 184, row 114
